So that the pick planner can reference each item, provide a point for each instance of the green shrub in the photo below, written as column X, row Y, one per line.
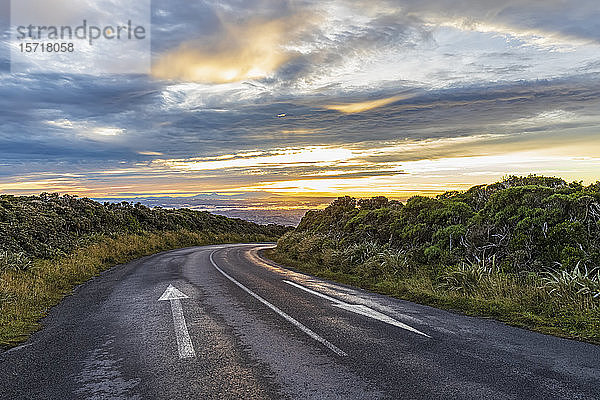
column 50, row 226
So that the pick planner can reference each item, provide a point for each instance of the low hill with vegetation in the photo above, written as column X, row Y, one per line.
column 525, row 250
column 50, row 243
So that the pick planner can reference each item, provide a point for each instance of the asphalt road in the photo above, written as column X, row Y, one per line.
column 231, row 325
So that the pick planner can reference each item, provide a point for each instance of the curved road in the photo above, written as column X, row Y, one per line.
column 220, row 322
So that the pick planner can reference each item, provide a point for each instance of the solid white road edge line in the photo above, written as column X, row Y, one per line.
column 184, row 342
column 360, row 309
column 282, row 314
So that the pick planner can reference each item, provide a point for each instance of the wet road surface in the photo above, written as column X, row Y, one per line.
column 222, row 322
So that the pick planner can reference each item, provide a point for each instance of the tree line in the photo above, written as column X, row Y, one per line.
column 51, row 225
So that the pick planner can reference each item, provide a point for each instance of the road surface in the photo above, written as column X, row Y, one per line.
column 220, row 322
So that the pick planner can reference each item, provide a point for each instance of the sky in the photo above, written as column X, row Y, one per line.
column 316, row 98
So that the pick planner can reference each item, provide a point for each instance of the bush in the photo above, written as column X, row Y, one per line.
column 395, row 263
column 521, row 223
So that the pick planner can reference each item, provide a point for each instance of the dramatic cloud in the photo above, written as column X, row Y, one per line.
column 237, row 49
column 239, row 53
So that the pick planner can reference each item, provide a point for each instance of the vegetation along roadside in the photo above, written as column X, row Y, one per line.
column 525, row 251
column 50, row 243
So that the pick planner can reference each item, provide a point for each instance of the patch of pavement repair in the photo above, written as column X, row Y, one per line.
column 100, row 377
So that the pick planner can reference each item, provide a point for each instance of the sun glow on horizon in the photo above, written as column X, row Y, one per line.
column 396, row 170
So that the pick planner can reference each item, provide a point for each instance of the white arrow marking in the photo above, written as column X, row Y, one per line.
column 285, row 316
column 360, row 309
column 184, row 343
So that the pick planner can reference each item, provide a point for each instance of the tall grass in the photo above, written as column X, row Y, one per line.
column 573, row 285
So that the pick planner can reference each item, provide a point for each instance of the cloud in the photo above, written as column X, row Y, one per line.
column 552, row 19
column 351, row 108
column 62, row 12
column 399, row 169
column 303, row 46
column 239, row 50
column 317, row 156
